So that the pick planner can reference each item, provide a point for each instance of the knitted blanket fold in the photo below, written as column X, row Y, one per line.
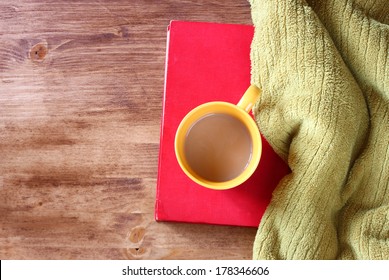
column 323, row 69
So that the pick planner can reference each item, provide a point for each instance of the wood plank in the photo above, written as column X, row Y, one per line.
column 81, row 86
column 38, row 234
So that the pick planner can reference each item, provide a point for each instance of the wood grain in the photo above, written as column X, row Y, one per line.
column 81, row 85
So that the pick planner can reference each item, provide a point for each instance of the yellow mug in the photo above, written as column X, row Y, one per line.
column 231, row 113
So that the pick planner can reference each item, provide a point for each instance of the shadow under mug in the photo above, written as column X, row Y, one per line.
column 240, row 112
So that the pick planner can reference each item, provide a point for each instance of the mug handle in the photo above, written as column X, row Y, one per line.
column 249, row 98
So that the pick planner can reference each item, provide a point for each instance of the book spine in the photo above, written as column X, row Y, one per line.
column 157, row 206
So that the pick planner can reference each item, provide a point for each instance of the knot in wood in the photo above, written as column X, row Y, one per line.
column 38, row 52
column 136, row 235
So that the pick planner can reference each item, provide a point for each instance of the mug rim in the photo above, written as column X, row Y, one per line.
column 209, row 108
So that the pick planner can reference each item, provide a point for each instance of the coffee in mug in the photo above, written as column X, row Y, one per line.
column 218, row 147
column 218, row 144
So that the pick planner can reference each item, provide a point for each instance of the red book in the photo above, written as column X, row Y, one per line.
column 208, row 62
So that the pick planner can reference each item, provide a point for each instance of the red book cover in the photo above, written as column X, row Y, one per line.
column 208, row 62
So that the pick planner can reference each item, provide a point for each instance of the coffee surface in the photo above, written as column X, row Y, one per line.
column 218, row 147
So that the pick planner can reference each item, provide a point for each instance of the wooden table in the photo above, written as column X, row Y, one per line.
column 81, row 86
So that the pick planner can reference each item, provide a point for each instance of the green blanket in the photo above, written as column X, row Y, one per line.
column 323, row 68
